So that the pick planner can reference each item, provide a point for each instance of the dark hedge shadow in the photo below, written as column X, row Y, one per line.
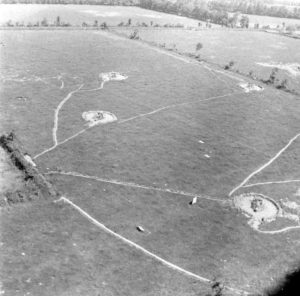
column 290, row 285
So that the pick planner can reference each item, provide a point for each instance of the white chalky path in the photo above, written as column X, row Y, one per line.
column 134, row 185
column 279, row 230
column 270, row 183
column 56, row 114
column 265, row 165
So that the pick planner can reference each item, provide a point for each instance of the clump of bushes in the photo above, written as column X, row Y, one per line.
column 272, row 78
column 229, row 66
column 252, row 75
column 217, row 289
column 283, row 85
column 134, row 35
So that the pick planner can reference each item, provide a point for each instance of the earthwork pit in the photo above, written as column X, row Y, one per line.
column 249, row 87
column 113, row 76
column 258, row 207
column 98, row 117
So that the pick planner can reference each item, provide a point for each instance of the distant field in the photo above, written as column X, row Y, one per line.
column 250, row 50
column 113, row 15
column 271, row 21
column 76, row 14
column 182, row 130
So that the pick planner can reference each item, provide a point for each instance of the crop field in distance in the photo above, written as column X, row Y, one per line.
column 147, row 186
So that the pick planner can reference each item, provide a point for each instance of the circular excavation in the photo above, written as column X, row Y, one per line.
column 98, row 117
column 250, row 87
column 113, row 76
column 258, row 207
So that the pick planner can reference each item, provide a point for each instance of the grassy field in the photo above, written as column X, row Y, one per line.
column 182, row 131
column 254, row 51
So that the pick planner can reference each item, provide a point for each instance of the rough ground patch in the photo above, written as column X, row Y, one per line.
column 20, row 179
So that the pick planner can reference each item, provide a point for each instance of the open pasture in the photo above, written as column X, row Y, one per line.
column 183, row 131
column 254, row 51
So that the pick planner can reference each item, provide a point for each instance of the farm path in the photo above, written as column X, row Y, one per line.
column 56, row 114
column 279, row 230
column 134, row 185
column 60, row 105
column 241, row 185
column 270, row 182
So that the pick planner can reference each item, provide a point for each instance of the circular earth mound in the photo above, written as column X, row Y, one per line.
column 114, row 76
column 257, row 207
column 98, row 117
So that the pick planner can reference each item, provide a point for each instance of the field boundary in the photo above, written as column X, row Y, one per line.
column 22, row 162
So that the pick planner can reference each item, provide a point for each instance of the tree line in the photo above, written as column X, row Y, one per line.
column 219, row 10
column 255, row 7
column 216, row 10
column 82, row 2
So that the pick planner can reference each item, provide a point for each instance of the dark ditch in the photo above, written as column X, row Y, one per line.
column 29, row 184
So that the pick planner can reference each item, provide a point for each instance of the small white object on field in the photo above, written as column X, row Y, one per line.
column 206, row 155
column 249, row 87
column 140, row 228
column 29, row 159
column 194, row 200
column 201, row 142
